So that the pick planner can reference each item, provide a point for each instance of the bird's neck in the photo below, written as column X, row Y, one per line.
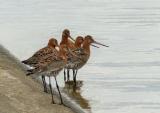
column 77, row 44
column 51, row 45
column 64, row 40
column 63, row 56
column 86, row 47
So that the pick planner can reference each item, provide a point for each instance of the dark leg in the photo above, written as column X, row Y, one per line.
column 51, row 89
column 58, row 90
column 75, row 76
column 44, row 83
column 68, row 76
column 73, row 73
column 64, row 74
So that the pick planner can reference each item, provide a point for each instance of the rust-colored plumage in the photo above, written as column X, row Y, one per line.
column 42, row 53
column 83, row 55
column 51, row 65
column 50, row 48
column 72, row 54
column 52, row 61
column 78, row 42
column 67, row 39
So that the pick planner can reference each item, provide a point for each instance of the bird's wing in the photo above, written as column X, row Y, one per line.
column 38, row 55
column 47, row 60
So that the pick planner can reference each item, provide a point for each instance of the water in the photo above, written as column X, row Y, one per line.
column 122, row 78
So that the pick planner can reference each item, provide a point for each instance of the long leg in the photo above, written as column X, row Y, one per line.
column 44, row 83
column 73, row 73
column 58, row 90
column 75, row 76
column 68, row 76
column 51, row 89
column 64, row 74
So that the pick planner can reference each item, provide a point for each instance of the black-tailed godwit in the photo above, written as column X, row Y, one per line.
column 33, row 61
column 83, row 55
column 51, row 65
column 78, row 43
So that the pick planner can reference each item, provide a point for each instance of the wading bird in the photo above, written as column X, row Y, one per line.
column 34, row 60
column 51, row 65
column 78, row 42
column 83, row 55
column 69, row 43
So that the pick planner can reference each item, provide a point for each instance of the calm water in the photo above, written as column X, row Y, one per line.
column 121, row 79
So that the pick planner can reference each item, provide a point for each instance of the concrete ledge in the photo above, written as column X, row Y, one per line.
column 12, row 69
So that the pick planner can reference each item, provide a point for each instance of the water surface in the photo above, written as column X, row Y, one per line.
column 122, row 78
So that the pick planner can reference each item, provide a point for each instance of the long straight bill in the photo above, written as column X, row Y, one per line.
column 72, row 38
column 94, row 46
column 100, row 44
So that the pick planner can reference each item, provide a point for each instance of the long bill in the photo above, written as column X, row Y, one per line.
column 94, row 46
column 72, row 38
column 95, row 42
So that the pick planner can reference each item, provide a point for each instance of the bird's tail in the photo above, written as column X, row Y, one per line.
column 24, row 61
column 30, row 72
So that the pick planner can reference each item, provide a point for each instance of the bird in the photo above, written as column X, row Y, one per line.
column 50, row 66
column 68, row 42
column 33, row 61
column 71, row 44
column 78, row 43
column 83, row 55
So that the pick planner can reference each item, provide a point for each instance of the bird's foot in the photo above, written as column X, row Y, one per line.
column 46, row 91
column 53, row 102
column 63, row 104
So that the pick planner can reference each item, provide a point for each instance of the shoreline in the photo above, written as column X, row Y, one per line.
column 25, row 94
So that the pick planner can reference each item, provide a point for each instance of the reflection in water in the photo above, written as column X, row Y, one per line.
column 75, row 93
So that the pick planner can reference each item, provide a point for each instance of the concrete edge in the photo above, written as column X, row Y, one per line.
column 66, row 99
